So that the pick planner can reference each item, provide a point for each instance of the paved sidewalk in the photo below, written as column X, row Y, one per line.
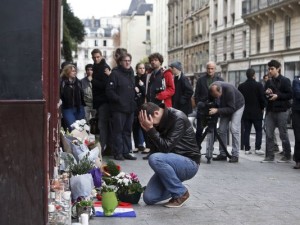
column 248, row 192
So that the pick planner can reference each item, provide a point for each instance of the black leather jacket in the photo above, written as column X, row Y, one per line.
column 174, row 135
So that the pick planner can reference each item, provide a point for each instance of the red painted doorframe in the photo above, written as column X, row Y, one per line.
column 50, row 67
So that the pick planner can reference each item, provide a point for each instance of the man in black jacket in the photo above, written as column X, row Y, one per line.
column 183, row 89
column 101, row 72
column 121, row 94
column 253, row 93
column 201, row 95
column 279, row 92
column 174, row 157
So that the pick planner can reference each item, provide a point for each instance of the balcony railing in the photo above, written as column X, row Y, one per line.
column 252, row 6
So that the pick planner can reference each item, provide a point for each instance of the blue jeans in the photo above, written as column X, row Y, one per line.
column 258, row 133
column 279, row 120
column 71, row 115
column 235, row 129
column 170, row 170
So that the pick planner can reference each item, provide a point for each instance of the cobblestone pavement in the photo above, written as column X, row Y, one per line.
column 244, row 193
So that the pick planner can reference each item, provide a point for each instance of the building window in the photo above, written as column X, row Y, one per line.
column 236, row 77
column 104, row 43
column 244, row 43
column 104, row 54
column 96, row 43
column 232, row 46
column 257, row 39
column 291, row 69
column 148, row 20
column 216, row 50
column 260, row 70
column 86, row 54
column 232, row 18
column 225, row 48
column 225, row 21
column 147, row 35
column 287, row 32
column 271, row 33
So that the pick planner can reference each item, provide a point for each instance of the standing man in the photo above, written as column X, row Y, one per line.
column 121, row 94
column 254, row 96
column 88, row 93
column 175, row 157
column 201, row 94
column 183, row 90
column 296, row 120
column 231, row 106
column 278, row 91
column 159, row 84
column 101, row 72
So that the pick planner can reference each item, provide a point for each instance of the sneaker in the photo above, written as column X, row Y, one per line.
column 234, row 159
column 135, row 150
column 178, row 202
column 248, row 152
column 276, row 148
column 268, row 159
column 284, row 159
column 220, row 158
column 146, row 151
column 129, row 157
column 259, row 152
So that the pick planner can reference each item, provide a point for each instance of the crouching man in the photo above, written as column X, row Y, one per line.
column 175, row 156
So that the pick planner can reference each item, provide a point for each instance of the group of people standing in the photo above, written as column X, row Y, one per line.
column 154, row 104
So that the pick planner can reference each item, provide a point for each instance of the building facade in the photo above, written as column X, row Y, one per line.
column 189, row 34
column 136, row 34
column 229, row 42
column 159, row 29
column 275, row 31
column 103, row 33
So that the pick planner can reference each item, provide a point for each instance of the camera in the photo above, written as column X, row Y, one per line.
column 158, row 90
column 162, row 88
column 203, row 110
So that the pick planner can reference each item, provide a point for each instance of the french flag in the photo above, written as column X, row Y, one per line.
column 124, row 209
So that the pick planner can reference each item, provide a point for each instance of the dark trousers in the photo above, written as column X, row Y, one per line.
column 258, row 133
column 138, row 135
column 121, row 132
column 296, row 128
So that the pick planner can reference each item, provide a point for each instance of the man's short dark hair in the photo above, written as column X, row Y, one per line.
column 96, row 50
column 274, row 63
column 156, row 55
column 150, row 108
column 250, row 73
column 88, row 66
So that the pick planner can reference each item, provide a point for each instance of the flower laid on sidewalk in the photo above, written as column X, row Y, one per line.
column 111, row 168
column 128, row 183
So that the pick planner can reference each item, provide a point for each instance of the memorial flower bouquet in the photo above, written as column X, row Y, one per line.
column 128, row 183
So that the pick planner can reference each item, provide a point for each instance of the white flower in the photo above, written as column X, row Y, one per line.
column 121, row 174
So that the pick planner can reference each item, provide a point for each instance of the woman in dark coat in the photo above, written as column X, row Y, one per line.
column 72, row 97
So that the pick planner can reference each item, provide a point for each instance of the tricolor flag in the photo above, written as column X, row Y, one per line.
column 123, row 210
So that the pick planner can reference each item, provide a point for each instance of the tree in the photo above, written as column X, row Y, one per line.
column 73, row 32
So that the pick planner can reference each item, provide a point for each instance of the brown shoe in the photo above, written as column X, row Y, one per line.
column 178, row 202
